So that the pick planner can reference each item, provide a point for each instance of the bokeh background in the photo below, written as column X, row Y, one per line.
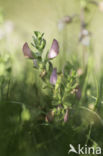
column 19, row 18
column 27, row 16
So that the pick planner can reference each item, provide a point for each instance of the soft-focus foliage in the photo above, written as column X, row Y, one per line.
column 53, row 97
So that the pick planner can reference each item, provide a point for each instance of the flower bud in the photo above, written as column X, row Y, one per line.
column 53, row 77
column 49, row 117
column 54, row 51
column 66, row 116
column 65, row 20
column 26, row 50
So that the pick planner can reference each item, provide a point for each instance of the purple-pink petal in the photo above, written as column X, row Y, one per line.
column 66, row 116
column 26, row 50
column 53, row 77
column 54, row 50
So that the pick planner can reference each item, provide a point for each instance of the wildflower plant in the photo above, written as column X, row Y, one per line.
column 41, row 119
column 62, row 84
column 68, row 89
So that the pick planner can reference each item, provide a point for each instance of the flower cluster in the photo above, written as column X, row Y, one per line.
column 39, row 63
column 62, row 84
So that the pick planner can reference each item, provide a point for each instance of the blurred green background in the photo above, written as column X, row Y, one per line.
column 20, row 87
column 29, row 15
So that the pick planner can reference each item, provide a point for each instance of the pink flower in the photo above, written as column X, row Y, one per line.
column 54, row 51
column 53, row 77
column 66, row 116
column 26, row 50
